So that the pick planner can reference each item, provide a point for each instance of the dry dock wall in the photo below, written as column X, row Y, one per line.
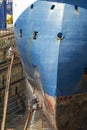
column 17, row 96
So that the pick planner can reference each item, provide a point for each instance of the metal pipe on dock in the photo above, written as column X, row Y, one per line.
column 7, row 93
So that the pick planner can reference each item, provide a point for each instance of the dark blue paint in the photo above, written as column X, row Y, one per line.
column 81, row 3
column 3, row 14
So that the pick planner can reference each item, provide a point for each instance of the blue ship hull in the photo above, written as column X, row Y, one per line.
column 52, row 42
column 2, row 14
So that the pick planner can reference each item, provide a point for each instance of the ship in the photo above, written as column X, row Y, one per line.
column 2, row 14
column 51, row 37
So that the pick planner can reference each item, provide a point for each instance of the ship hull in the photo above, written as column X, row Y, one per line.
column 52, row 42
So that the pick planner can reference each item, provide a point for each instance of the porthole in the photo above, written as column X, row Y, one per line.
column 20, row 34
column 35, row 35
column 60, row 36
column 52, row 7
column 76, row 7
column 32, row 6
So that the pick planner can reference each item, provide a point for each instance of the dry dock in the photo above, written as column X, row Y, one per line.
column 72, row 110
column 17, row 84
column 16, row 110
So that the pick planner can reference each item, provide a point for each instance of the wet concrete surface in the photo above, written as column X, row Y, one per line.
column 71, row 113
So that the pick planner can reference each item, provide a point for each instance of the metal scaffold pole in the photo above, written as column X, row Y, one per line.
column 33, row 108
column 29, row 117
column 7, row 93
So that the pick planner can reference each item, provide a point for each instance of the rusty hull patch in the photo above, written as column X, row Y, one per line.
column 71, row 112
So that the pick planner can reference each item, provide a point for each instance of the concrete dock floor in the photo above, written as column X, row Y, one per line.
column 39, row 122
